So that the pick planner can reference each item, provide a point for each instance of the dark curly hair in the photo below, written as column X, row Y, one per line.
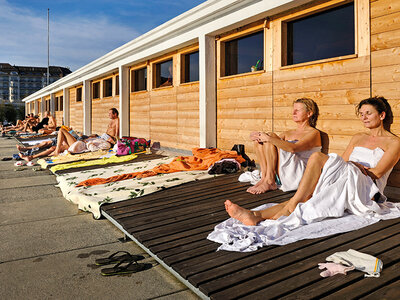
column 381, row 105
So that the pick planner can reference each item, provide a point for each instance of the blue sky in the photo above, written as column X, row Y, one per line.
column 80, row 31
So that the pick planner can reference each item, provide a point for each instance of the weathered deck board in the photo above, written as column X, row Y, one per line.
column 174, row 223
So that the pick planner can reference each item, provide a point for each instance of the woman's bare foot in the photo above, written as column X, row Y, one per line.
column 265, row 187
column 250, row 189
column 21, row 148
column 241, row 214
column 27, row 158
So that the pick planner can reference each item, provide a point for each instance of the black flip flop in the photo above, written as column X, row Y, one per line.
column 129, row 268
column 114, row 258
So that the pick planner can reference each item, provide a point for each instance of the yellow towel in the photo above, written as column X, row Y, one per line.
column 96, row 162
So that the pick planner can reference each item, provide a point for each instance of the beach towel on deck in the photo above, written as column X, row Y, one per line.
column 60, row 159
column 341, row 202
column 202, row 159
column 95, row 162
column 90, row 198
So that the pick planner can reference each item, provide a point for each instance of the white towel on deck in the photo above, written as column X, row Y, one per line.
column 342, row 188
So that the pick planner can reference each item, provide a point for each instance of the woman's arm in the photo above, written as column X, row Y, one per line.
column 310, row 140
column 388, row 160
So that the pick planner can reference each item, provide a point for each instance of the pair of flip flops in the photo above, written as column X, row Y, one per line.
column 125, row 263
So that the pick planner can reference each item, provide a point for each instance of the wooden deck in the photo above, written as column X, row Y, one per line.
column 172, row 225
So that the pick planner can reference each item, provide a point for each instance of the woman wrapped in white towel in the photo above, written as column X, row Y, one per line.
column 332, row 184
column 285, row 157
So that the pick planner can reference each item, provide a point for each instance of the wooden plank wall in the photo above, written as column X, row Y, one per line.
column 263, row 101
column 169, row 115
column 244, row 104
column 385, row 61
column 101, row 106
column 76, row 110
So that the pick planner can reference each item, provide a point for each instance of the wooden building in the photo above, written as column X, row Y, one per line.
column 228, row 67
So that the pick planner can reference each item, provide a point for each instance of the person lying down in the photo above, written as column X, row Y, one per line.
column 333, row 186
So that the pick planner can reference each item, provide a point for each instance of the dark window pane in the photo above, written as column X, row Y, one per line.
column 61, row 106
column 323, row 35
column 96, row 90
column 192, row 67
column 117, row 85
column 140, row 80
column 244, row 53
column 107, row 87
column 78, row 94
column 164, row 73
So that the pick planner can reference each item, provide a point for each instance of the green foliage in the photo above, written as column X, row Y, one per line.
column 11, row 113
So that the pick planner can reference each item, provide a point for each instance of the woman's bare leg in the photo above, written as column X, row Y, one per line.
column 47, row 152
column 63, row 137
column 307, row 184
column 262, row 162
column 40, row 145
column 268, row 170
column 249, row 217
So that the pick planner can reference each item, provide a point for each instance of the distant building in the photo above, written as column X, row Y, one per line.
column 18, row 82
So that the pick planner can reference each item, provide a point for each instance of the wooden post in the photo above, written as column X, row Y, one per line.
column 207, row 92
column 42, row 106
column 87, row 107
column 66, row 106
column 124, row 101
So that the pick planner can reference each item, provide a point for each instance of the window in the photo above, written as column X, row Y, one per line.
column 324, row 35
column 244, row 54
column 191, row 67
column 61, row 104
column 56, row 104
column 164, row 74
column 107, row 87
column 139, row 80
column 78, row 94
column 96, row 90
column 117, row 85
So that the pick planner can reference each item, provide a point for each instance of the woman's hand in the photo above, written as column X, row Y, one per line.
column 263, row 137
column 254, row 135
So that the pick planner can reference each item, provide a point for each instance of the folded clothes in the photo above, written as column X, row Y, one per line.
column 361, row 261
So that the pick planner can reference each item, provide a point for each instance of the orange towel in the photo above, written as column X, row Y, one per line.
column 202, row 159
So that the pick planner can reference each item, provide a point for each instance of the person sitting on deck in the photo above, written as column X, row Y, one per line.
column 286, row 156
column 339, row 184
column 47, row 125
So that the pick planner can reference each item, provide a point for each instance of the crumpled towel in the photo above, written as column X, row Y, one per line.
column 202, row 159
column 361, row 261
column 333, row 269
column 252, row 177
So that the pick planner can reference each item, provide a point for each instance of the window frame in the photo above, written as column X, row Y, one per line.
column 80, row 94
column 252, row 29
column 95, row 83
column 133, row 78
column 361, row 47
column 154, row 72
column 104, row 81
column 183, row 65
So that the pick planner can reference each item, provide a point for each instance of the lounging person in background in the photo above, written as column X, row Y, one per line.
column 47, row 125
column 286, row 156
column 332, row 184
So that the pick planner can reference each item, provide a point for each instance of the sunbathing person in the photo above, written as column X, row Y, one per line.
column 286, row 155
column 367, row 162
column 112, row 133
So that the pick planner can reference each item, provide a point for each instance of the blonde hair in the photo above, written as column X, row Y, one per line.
column 311, row 106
